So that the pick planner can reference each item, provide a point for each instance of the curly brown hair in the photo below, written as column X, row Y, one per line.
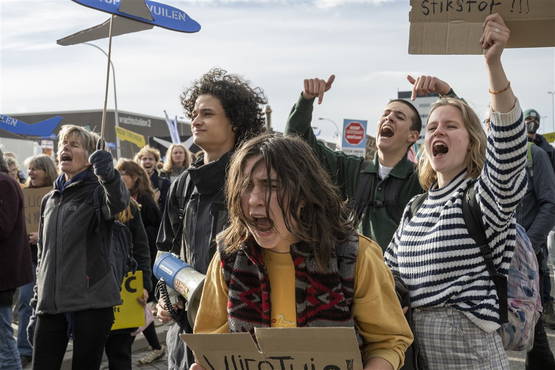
column 312, row 207
column 241, row 102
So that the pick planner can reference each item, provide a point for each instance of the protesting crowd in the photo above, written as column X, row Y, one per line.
column 421, row 259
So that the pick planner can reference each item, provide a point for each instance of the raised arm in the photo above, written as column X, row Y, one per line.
column 343, row 169
column 493, row 41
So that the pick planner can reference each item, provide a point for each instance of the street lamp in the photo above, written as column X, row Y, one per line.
column 552, row 93
column 118, row 148
column 336, row 128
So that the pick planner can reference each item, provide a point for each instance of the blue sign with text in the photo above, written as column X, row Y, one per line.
column 163, row 15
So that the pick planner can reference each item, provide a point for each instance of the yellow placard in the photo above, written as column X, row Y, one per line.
column 130, row 314
column 132, row 137
column 550, row 137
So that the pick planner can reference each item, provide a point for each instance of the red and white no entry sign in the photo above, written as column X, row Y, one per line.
column 354, row 133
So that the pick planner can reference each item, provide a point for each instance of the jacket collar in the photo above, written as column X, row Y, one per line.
column 402, row 170
column 209, row 178
column 86, row 175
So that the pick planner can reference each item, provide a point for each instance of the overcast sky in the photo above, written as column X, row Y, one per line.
column 273, row 43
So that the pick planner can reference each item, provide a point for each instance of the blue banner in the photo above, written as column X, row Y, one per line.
column 163, row 15
column 41, row 129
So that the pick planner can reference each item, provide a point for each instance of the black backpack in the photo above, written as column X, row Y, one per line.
column 121, row 248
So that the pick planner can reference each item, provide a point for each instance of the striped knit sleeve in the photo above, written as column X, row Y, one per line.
column 502, row 183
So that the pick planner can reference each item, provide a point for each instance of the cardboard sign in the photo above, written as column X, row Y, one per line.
column 278, row 349
column 130, row 314
column 455, row 26
column 32, row 198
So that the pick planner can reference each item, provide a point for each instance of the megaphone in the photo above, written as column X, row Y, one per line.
column 181, row 279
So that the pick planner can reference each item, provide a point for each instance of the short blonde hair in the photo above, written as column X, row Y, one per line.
column 477, row 140
column 147, row 150
column 169, row 164
column 87, row 138
column 45, row 163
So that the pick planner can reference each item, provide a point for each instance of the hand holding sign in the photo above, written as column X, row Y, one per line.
column 316, row 87
column 424, row 85
column 196, row 366
column 494, row 37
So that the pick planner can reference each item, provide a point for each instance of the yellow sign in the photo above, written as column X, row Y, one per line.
column 130, row 314
column 550, row 137
column 132, row 137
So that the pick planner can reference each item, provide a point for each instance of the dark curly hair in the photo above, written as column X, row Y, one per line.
column 241, row 103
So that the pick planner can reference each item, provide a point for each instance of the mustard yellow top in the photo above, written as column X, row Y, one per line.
column 376, row 309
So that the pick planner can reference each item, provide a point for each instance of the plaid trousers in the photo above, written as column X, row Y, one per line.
column 449, row 340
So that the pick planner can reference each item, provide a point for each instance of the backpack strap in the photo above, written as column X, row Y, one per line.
column 364, row 193
column 472, row 215
column 184, row 191
column 530, row 160
column 416, row 204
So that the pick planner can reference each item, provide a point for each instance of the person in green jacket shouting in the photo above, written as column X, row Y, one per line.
column 377, row 190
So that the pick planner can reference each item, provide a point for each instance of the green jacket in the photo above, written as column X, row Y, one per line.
column 383, row 213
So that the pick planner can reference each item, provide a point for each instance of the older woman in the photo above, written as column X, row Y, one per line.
column 178, row 158
column 76, row 287
column 289, row 243
column 455, row 299
column 42, row 172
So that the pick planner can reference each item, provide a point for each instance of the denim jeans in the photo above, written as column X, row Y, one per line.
column 24, row 311
column 9, row 357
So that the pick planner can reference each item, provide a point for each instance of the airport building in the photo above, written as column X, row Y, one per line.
column 137, row 129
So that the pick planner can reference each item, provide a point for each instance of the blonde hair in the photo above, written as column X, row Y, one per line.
column 169, row 164
column 87, row 138
column 147, row 150
column 477, row 140
column 45, row 163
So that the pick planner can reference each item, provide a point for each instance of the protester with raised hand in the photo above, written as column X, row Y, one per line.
column 225, row 111
column 454, row 298
column 290, row 242
column 76, row 287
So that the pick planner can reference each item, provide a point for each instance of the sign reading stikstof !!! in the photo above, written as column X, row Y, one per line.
column 163, row 15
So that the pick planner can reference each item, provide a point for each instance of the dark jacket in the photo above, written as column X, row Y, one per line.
column 15, row 254
column 74, row 272
column 141, row 251
column 205, row 212
column 385, row 209
column 540, row 141
column 536, row 211
column 161, row 184
column 151, row 217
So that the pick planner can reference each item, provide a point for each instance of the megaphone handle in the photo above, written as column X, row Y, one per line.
column 169, row 307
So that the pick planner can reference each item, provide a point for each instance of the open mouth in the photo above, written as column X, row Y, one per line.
column 65, row 158
column 439, row 148
column 263, row 224
column 386, row 131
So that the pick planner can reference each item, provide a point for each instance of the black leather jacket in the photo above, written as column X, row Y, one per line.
column 205, row 212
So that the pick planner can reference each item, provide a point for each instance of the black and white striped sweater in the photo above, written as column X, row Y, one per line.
column 433, row 252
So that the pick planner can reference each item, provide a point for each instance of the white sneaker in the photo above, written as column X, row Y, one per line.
column 153, row 355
